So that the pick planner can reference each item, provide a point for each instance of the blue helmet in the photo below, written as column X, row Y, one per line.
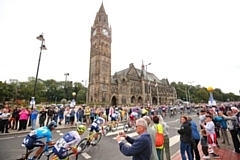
column 52, row 125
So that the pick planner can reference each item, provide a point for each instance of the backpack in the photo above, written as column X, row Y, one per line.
column 159, row 137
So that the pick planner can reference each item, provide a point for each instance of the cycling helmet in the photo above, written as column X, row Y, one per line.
column 52, row 125
column 81, row 128
column 104, row 116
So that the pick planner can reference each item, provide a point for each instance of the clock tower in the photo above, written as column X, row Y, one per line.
column 100, row 60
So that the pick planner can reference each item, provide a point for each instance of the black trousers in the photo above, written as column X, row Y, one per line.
column 196, row 152
column 205, row 150
column 23, row 124
column 1, row 126
column 5, row 125
column 235, row 140
column 16, row 123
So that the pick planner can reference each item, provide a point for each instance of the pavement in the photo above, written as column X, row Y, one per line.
column 225, row 152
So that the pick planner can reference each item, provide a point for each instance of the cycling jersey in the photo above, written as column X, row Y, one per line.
column 31, row 140
column 135, row 114
column 96, row 123
column 70, row 139
column 115, row 115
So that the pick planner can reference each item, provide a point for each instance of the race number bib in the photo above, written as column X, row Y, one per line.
column 60, row 143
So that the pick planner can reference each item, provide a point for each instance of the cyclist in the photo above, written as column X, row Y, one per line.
column 171, row 111
column 70, row 139
column 114, row 117
column 133, row 116
column 32, row 139
column 99, row 122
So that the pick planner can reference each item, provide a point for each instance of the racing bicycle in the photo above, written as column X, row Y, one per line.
column 86, row 142
column 110, row 127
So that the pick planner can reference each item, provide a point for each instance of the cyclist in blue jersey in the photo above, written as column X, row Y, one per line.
column 32, row 139
column 99, row 122
column 70, row 139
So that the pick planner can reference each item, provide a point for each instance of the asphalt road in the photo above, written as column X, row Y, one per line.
column 107, row 149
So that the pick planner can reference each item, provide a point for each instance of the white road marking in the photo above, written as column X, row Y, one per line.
column 60, row 134
column 6, row 138
column 173, row 140
column 85, row 155
column 22, row 136
column 58, row 131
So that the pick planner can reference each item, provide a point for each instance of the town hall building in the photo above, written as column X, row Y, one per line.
column 130, row 86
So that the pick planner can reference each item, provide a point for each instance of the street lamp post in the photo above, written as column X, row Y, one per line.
column 35, row 85
column 41, row 48
column 189, row 89
column 65, row 86
column 148, row 90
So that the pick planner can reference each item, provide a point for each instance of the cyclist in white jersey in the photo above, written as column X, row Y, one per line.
column 70, row 139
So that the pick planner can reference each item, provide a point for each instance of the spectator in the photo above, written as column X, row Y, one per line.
column 50, row 113
column 107, row 112
column 5, row 120
column 17, row 118
column 159, row 129
column 13, row 118
column 166, row 139
column 42, row 117
column 33, row 118
column 92, row 114
column 152, row 133
column 97, row 113
column 196, row 138
column 1, row 122
column 24, row 114
column 61, row 115
column 56, row 114
column 185, row 138
column 87, row 115
column 67, row 116
column 72, row 116
column 204, row 143
column 212, row 138
column 232, row 123
column 223, row 128
column 80, row 114
column 141, row 147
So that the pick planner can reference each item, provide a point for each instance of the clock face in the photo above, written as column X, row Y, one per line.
column 105, row 32
column 94, row 32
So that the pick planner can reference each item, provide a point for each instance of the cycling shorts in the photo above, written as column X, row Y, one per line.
column 62, row 153
column 94, row 127
column 131, row 117
column 30, row 142
column 114, row 119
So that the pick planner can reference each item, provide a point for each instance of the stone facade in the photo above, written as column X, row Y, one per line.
column 130, row 86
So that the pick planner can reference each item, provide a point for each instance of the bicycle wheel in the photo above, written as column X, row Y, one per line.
column 44, row 152
column 106, row 130
column 125, row 127
column 114, row 128
column 97, row 140
column 83, row 144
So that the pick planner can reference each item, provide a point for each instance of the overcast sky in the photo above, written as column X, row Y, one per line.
column 184, row 40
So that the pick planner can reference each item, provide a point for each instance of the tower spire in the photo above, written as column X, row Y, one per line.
column 101, row 9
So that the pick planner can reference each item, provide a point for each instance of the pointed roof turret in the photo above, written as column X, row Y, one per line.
column 101, row 9
column 101, row 17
